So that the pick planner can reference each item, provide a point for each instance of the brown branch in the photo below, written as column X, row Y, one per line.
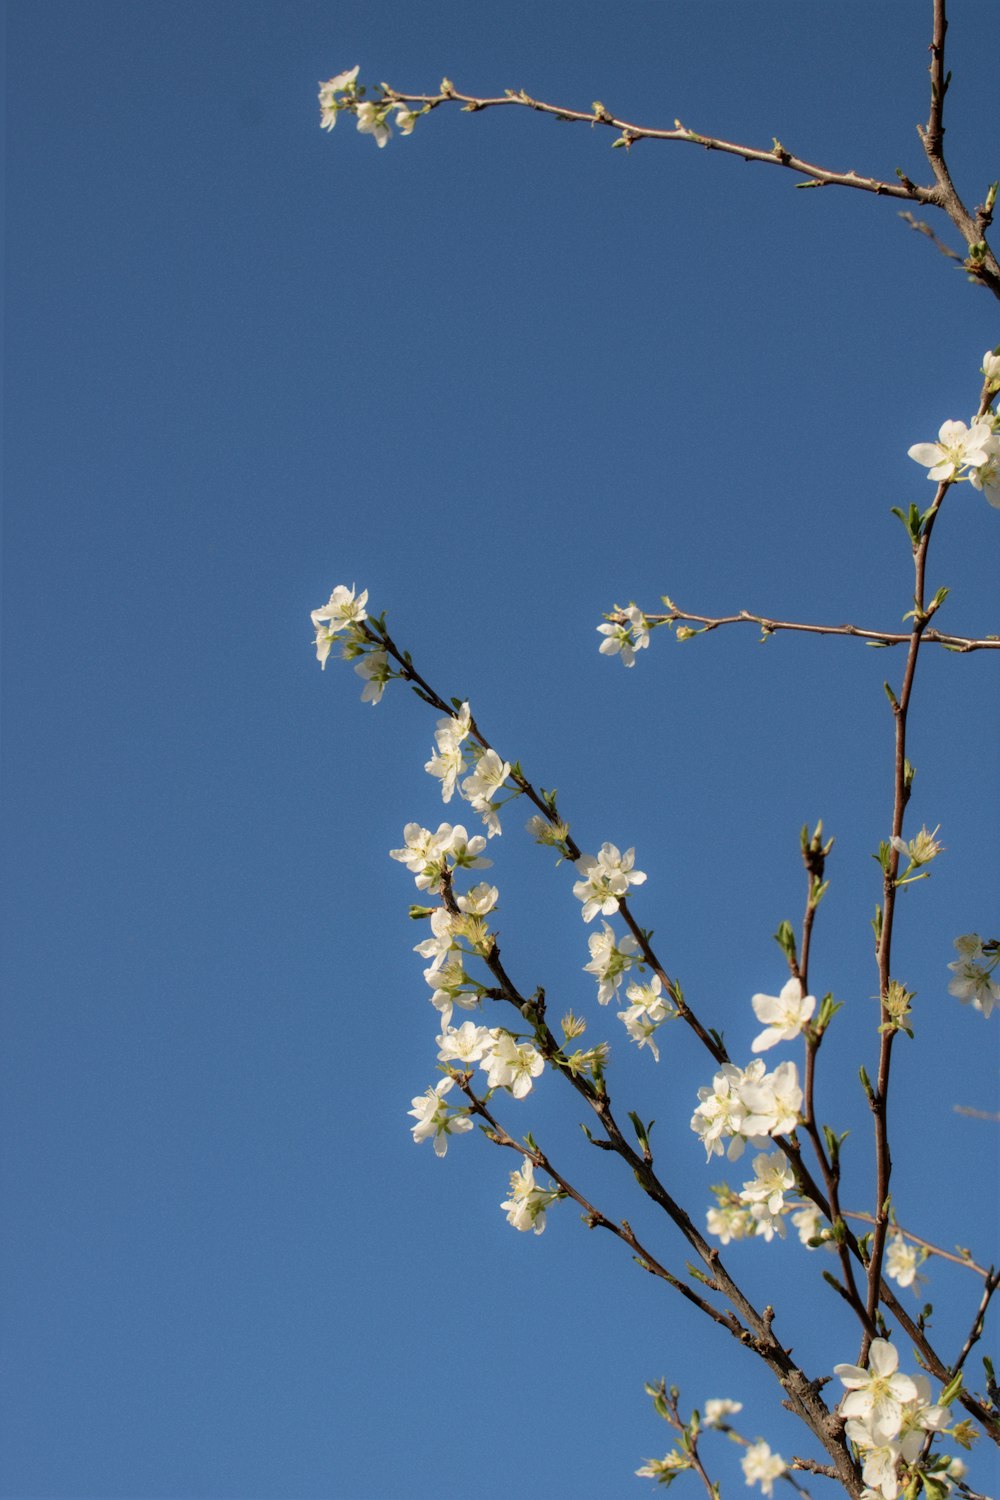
column 932, row 1249
column 629, row 133
column 958, row 643
column 981, row 263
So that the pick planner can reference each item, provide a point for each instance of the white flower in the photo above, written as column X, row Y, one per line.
column 607, row 877
column 371, row 121
column 876, row 1395
column 486, row 780
column 973, row 970
column 374, row 668
column 527, row 1203
column 721, row 1113
column 879, row 1460
column 512, row 1065
column 772, row 1179
column 784, row 1015
column 480, row 900
column 609, row 960
column 987, row 477
column 809, row 1222
column 405, row 119
column 626, row 636
column 467, row 1043
column 729, row 1222
column 433, row 1120
column 761, row 1466
column 958, row 447
column 449, row 762
column 991, row 368
column 921, row 849
column 773, row 1104
column 342, row 608
column 901, row 1261
column 715, row 1410
column 441, row 941
column 328, row 96
column 649, row 1010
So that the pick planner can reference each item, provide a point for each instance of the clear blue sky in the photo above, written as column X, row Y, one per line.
column 503, row 377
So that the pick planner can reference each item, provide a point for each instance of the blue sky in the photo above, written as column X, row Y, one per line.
column 503, row 377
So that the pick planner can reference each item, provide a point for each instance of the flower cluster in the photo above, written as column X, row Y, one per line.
column 455, row 754
column 345, row 613
column 606, row 879
column 650, row 1009
column 973, row 969
column 525, row 1208
column 747, row 1105
column 761, row 1466
column 434, row 1119
column 609, row 960
column 342, row 93
column 963, row 452
column 888, row 1416
column 432, row 856
column 625, row 632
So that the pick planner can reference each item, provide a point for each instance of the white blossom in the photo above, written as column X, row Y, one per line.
column 440, row 943
column 921, row 849
column 375, row 669
column 341, row 83
column 467, row 1043
column 449, row 761
column 774, row 1103
column 480, row 900
column 527, row 1203
column 773, row 1178
column 433, row 1120
column 876, row 1395
column 958, row 447
column 606, row 879
column 784, row 1015
column 991, row 368
column 973, row 982
column 761, row 1466
column 716, row 1409
column 609, row 960
column 650, row 1009
column 901, row 1261
column 342, row 608
column 626, row 636
column 728, row 1221
column 810, row 1223
column 405, row 119
column 371, row 121
column 512, row 1065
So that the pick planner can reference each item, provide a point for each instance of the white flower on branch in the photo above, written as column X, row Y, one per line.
column 729, row 1221
column 784, row 1015
column 465, row 1044
column 716, row 1409
column 372, row 121
column 609, row 960
column 772, row 1179
column 449, row 762
column 328, row 103
column 480, row 900
column 433, row 1120
column 525, row 1208
column 876, row 1395
column 440, row 943
column 987, row 477
column 342, row 608
column 774, row 1103
column 625, row 636
column 958, row 447
column 482, row 785
column 375, row 669
column 606, row 879
column 747, row 1105
column 921, row 849
column 650, row 1009
column 973, row 982
column 761, row 1466
column 512, row 1065
column 901, row 1261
